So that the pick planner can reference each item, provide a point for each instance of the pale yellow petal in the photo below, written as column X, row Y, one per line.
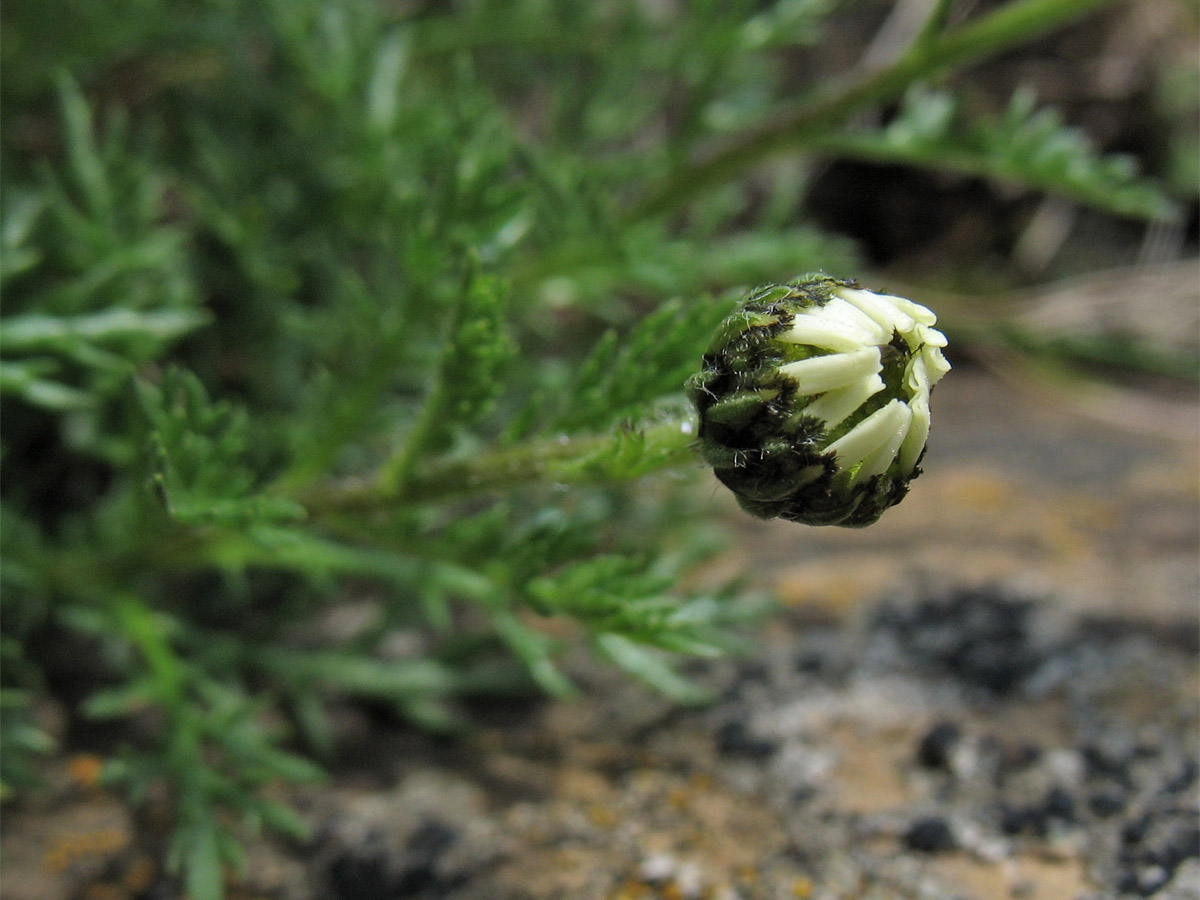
column 878, row 307
column 877, row 462
column 870, row 434
column 834, row 406
column 827, row 333
column 818, row 374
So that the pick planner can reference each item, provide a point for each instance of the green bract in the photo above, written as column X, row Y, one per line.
column 814, row 400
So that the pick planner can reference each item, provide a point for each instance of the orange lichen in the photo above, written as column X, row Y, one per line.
column 70, row 849
column 601, row 815
column 85, row 769
column 106, row 892
column 140, row 875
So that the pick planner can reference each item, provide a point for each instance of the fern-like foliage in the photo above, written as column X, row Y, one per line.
column 215, row 750
column 1026, row 145
column 95, row 282
column 199, row 448
column 22, row 739
column 323, row 304
column 626, row 374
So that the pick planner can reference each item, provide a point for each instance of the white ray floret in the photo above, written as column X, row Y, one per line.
column 929, row 337
column 918, row 434
column 878, row 308
column 833, row 407
column 838, row 310
column 916, row 377
column 856, row 324
column 818, row 374
column 923, row 315
column 935, row 362
column 880, row 459
column 826, row 333
column 870, row 438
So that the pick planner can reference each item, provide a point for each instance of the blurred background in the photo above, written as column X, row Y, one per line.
column 989, row 694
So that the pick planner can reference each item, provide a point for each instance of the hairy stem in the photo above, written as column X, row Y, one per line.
column 622, row 455
column 798, row 126
column 398, row 470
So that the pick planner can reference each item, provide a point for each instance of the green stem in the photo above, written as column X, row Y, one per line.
column 144, row 633
column 1140, row 202
column 575, row 459
column 1008, row 26
column 935, row 22
column 394, row 477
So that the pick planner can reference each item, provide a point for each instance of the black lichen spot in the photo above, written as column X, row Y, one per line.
column 937, row 747
column 930, row 835
column 1106, row 804
column 735, row 740
column 1056, row 807
column 375, row 871
column 1154, row 846
column 361, row 877
column 980, row 637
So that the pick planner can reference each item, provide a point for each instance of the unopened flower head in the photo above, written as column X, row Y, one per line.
column 814, row 400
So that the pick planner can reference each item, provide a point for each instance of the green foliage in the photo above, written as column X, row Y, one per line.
column 467, row 378
column 96, row 281
column 1025, row 145
column 215, row 750
column 23, row 741
column 199, row 448
column 336, row 303
column 615, row 380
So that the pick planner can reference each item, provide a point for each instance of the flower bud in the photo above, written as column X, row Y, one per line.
column 814, row 400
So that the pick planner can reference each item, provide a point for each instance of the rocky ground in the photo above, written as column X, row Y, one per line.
column 990, row 694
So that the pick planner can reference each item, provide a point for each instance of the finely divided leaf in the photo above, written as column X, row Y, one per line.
column 199, row 457
column 628, row 375
column 478, row 349
column 1026, row 145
